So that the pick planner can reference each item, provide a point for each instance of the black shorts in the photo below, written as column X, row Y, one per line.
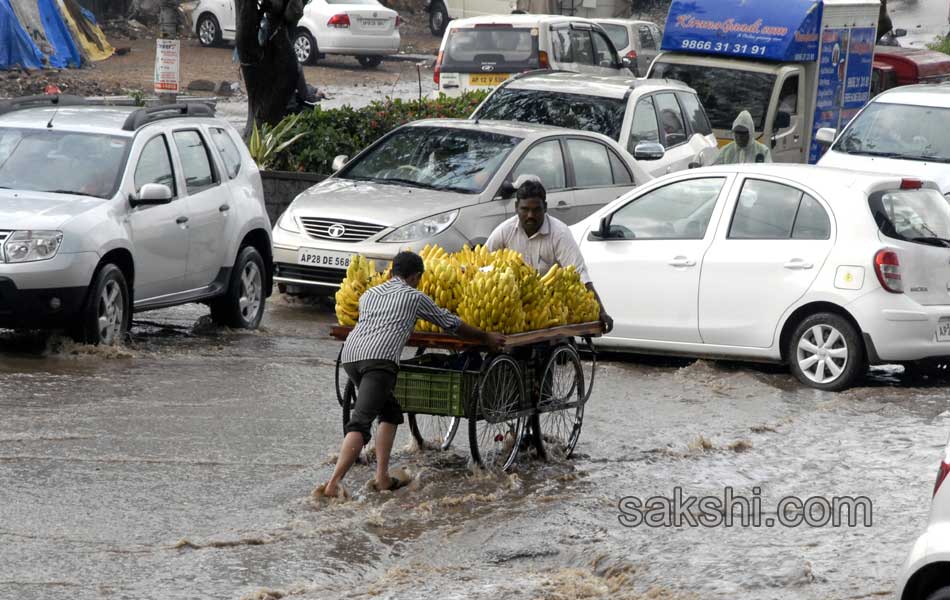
column 375, row 382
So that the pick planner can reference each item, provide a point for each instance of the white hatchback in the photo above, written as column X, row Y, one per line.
column 823, row 269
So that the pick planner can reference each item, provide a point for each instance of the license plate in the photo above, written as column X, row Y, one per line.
column 486, row 78
column 374, row 22
column 943, row 330
column 323, row 258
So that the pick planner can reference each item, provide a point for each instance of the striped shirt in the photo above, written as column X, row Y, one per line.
column 551, row 244
column 388, row 314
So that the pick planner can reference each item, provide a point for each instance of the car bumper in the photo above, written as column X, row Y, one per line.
column 900, row 328
column 933, row 546
column 28, row 290
column 359, row 44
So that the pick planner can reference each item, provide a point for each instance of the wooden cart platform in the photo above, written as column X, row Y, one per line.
column 446, row 341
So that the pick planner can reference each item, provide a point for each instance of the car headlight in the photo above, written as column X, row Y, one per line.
column 28, row 246
column 287, row 222
column 423, row 228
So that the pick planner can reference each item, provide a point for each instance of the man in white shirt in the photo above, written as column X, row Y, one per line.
column 541, row 239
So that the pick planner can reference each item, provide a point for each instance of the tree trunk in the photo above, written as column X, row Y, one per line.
column 270, row 73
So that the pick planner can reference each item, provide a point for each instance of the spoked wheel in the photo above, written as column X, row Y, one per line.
column 349, row 402
column 433, row 431
column 556, row 428
column 495, row 429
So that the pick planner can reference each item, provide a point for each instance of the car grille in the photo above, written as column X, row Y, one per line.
column 307, row 273
column 352, row 231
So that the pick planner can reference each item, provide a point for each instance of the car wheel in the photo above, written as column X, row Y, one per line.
column 305, row 47
column 826, row 352
column 105, row 316
column 209, row 32
column 438, row 18
column 369, row 62
column 243, row 305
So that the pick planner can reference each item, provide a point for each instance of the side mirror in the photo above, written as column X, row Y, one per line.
column 602, row 232
column 339, row 162
column 694, row 165
column 825, row 136
column 648, row 151
column 900, row 32
column 783, row 120
column 151, row 194
column 507, row 190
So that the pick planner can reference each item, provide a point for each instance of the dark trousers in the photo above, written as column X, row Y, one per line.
column 375, row 382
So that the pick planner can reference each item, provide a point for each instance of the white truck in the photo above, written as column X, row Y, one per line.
column 795, row 65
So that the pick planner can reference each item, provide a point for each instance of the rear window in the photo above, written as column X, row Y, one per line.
column 722, row 91
column 573, row 111
column 921, row 216
column 617, row 34
column 491, row 49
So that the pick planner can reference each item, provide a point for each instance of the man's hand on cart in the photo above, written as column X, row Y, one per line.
column 606, row 320
column 494, row 341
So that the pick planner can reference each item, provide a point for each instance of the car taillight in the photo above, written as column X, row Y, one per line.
column 543, row 60
column 437, row 69
column 398, row 20
column 911, row 184
column 632, row 55
column 943, row 470
column 340, row 21
column 888, row 269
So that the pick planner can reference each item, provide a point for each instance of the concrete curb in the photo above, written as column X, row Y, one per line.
column 429, row 59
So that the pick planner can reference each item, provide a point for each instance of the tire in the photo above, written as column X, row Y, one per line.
column 433, row 431
column 495, row 433
column 305, row 47
column 106, row 314
column 209, row 31
column 369, row 62
column 242, row 306
column 438, row 18
column 554, row 430
column 826, row 352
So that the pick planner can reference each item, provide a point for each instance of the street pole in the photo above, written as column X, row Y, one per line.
column 168, row 30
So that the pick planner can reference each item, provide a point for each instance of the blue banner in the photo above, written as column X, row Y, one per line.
column 784, row 31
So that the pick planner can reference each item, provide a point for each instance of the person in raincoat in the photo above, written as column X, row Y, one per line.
column 745, row 149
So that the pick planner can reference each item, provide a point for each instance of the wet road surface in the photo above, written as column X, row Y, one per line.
column 924, row 20
column 183, row 466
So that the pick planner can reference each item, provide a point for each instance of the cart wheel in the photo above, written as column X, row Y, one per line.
column 433, row 431
column 494, row 433
column 554, row 430
column 368, row 454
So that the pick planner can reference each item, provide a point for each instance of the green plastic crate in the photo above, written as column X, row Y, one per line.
column 430, row 390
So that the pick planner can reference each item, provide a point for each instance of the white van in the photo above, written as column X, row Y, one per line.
column 481, row 52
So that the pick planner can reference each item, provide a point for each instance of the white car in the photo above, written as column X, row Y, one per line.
column 640, row 114
column 637, row 41
column 481, row 52
column 902, row 130
column 214, row 21
column 442, row 11
column 362, row 28
column 823, row 269
column 926, row 573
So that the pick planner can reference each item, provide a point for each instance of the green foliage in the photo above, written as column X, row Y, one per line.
column 268, row 142
column 940, row 44
column 328, row 133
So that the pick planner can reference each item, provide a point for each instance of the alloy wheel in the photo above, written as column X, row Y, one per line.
column 250, row 301
column 822, row 353
column 207, row 32
column 110, row 313
column 302, row 48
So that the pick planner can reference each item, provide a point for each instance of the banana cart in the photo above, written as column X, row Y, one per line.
column 532, row 392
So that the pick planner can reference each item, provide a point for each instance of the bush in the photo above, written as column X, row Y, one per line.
column 328, row 133
column 940, row 44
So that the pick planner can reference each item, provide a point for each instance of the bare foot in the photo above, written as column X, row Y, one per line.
column 325, row 491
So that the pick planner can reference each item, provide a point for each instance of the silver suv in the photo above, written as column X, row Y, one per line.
column 106, row 211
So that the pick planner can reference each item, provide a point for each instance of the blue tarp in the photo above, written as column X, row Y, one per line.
column 65, row 52
column 782, row 30
column 16, row 47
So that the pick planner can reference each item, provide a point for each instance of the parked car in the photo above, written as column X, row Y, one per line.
column 214, row 22
column 637, row 113
column 362, row 28
column 107, row 211
column 482, row 52
column 902, row 130
column 823, row 269
column 926, row 573
column 447, row 182
column 636, row 41
column 442, row 11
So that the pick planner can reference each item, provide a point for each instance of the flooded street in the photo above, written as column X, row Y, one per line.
column 924, row 20
column 183, row 466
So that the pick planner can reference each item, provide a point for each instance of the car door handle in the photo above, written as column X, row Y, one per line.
column 181, row 220
column 224, row 208
column 682, row 261
column 797, row 264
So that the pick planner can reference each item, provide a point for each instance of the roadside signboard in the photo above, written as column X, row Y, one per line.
column 167, row 59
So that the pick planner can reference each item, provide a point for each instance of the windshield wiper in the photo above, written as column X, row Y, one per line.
column 398, row 180
column 880, row 154
column 936, row 159
column 71, row 192
column 933, row 241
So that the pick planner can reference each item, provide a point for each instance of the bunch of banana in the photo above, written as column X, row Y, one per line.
column 359, row 274
column 572, row 302
column 491, row 301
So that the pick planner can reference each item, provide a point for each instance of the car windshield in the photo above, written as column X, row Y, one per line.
column 43, row 160
column 617, row 34
column 437, row 158
column 723, row 92
column 899, row 131
column 573, row 111
column 491, row 49
column 921, row 216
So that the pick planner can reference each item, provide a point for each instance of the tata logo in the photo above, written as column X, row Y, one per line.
column 488, row 67
column 336, row 230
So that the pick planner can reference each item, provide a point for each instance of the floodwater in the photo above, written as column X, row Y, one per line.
column 183, row 465
column 924, row 20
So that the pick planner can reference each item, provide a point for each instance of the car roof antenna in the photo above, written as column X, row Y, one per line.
column 49, row 125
